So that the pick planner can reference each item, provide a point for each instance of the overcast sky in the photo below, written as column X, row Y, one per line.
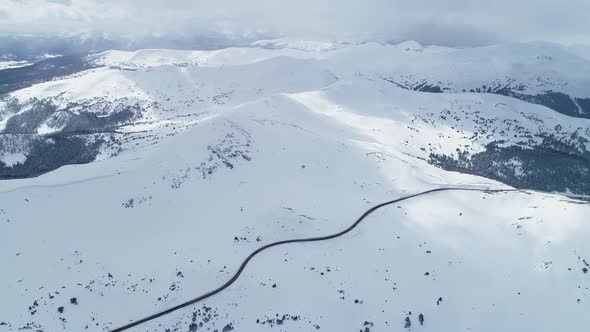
column 443, row 22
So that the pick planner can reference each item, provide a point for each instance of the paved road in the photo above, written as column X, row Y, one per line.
column 274, row 244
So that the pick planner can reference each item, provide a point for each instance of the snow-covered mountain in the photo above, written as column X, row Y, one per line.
column 542, row 74
column 159, row 171
column 129, row 100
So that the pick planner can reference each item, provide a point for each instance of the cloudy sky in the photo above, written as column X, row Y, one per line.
column 444, row 22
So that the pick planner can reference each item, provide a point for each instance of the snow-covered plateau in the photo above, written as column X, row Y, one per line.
column 141, row 180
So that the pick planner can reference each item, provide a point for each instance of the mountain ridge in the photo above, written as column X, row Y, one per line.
column 168, row 168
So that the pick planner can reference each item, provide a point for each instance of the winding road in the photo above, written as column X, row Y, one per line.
column 278, row 243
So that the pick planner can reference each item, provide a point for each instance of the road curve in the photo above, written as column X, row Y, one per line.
column 278, row 243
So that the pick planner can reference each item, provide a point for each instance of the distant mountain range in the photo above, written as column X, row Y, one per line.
column 32, row 48
column 88, row 100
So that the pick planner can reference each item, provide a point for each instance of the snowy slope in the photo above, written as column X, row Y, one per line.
column 136, row 99
column 222, row 152
column 582, row 51
column 535, row 68
column 13, row 64
column 542, row 74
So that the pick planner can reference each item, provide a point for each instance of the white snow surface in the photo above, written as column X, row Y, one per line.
column 256, row 145
column 11, row 159
column 8, row 64
column 530, row 68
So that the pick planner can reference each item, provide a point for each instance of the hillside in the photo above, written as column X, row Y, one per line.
column 144, row 180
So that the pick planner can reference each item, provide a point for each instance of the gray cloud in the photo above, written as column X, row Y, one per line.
column 448, row 22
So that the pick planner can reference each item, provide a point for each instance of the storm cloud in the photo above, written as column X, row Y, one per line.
column 448, row 22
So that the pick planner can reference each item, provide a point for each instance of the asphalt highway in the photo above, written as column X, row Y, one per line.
column 302, row 240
